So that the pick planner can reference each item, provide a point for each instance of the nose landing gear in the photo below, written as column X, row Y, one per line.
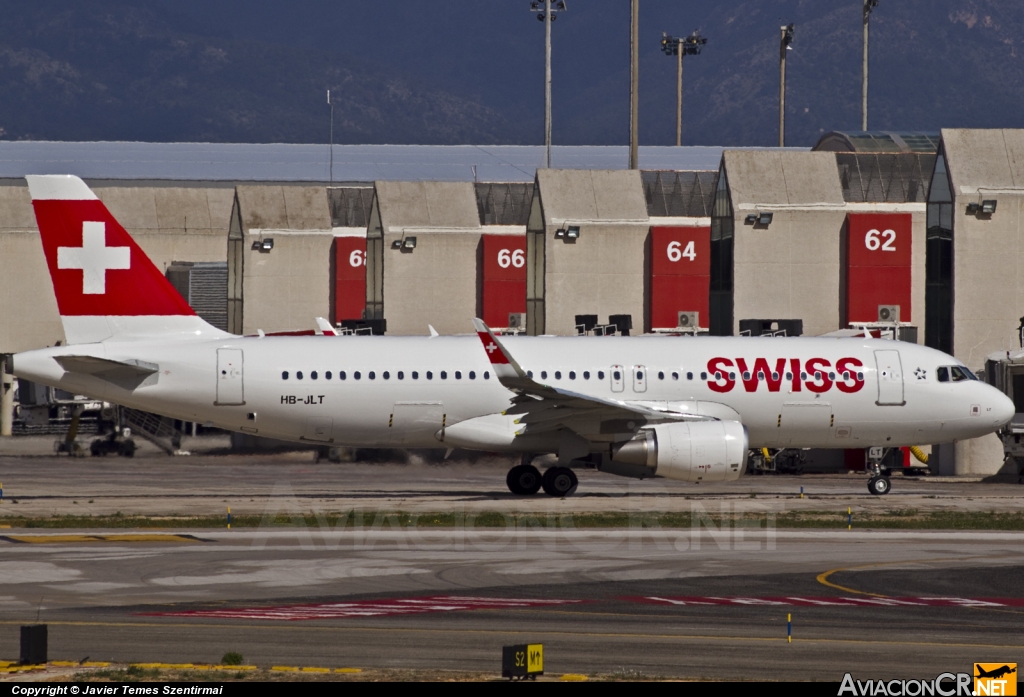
column 878, row 485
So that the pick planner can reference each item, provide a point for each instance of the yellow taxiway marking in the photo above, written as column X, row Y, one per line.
column 822, row 578
column 504, row 632
column 116, row 537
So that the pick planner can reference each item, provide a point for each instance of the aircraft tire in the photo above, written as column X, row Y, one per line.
column 559, row 482
column 523, row 480
column 879, row 486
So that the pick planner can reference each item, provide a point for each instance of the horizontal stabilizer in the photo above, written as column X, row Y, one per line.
column 91, row 365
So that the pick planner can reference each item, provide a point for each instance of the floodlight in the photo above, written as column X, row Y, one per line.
column 765, row 218
column 751, row 219
column 972, row 208
column 397, row 244
column 263, row 246
column 988, row 207
column 573, row 231
column 409, row 243
column 787, row 37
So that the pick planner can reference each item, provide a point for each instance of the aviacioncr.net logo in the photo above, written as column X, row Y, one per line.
column 944, row 685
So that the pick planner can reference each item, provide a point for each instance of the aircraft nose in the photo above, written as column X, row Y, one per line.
column 1003, row 408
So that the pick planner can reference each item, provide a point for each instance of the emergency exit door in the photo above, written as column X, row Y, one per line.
column 890, row 378
column 230, row 390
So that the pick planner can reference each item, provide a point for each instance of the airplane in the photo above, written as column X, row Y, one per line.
column 995, row 673
column 688, row 409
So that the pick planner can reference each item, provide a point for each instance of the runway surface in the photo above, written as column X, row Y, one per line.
column 654, row 603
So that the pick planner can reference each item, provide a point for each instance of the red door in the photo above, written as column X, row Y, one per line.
column 504, row 278
column 680, row 269
column 349, row 277
column 878, row 265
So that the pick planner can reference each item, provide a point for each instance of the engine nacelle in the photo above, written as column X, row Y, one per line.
column 701, row 451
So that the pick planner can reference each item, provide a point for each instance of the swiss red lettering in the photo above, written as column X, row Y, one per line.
column 718, row 375
column 852, row 368
column 761, row 372
column 817, row 375
column 794, row 366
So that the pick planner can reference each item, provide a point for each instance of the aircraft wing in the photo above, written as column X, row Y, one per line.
column 543, row 407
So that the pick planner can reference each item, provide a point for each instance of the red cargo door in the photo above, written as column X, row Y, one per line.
column 878, row 265
column 680, row 274
column 349, row 278
column 504, row 278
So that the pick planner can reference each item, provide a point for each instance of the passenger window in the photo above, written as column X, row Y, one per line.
column 430, row 375
column 298, row 374
column 444, row 374
column 284, row 375
column 860, row 376
column 803, row 376
column 487, row 375
column 558, row 375
column 732, row 376
column 341, row 375
column 775, row 376
column 746, row 375
column 617, row 375
column 639, row 375
column 572, row 374
column 529, row 373
column 472, row 375
column 831, row 376
column 387, row 375
column 356, row 375
column 789, row 376
column 817, row 375
column 718, row 376
column 661, row 375
column 312, row 376
column 543, row 375
column 600, row 375
column 943, row 374
column 327, row 375
column 401, row 375
column 846, row 375
column 415, row 375
column 689, row 376
column 703, row 376
column 372, row 375
column 586, row 374
column 675, row 376
column 458, row 374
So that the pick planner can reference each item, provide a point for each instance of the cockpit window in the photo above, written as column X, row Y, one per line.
column 958, row 373
column 955, row 373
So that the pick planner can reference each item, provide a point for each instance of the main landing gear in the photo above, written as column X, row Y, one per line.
column 526, row 480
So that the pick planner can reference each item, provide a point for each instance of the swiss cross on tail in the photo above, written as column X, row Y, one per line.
column 96, row 267
column 504, row 365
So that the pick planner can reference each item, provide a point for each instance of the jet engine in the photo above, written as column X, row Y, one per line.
column 700, row 451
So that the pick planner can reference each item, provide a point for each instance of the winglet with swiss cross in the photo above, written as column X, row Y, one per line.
column 504, row 365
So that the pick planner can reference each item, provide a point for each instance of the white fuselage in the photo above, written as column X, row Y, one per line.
column 238, row 383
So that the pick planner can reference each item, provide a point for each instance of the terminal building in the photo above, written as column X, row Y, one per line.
column 866, row 230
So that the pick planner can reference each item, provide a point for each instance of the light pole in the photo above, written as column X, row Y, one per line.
column 547, row 12
column 634, row 85
column 332, row 136
column 785, row 44
column 678, row 47
column 869, row 5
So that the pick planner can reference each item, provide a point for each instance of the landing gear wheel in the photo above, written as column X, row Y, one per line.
column 523, row 480
column 559, row 482
column 879, row 486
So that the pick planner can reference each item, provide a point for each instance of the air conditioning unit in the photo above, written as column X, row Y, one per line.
column 689, row 319
column 888, row 313
column 517, row 320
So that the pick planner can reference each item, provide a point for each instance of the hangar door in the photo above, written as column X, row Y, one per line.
column 503, row 274
column 229, row 377
column 680, row 275
column 878, row 258
column 349, row 277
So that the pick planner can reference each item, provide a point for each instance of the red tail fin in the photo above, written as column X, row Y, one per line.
column 105, row 284
column 95, row 265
